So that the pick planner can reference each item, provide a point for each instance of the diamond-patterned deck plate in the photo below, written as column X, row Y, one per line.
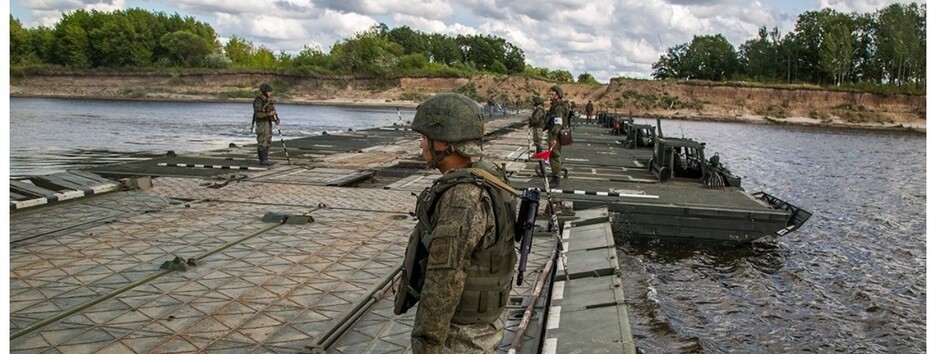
column 275, row 292
column 317, row 176
column 56, row 274
column 380, row 331
column 413, row 183
column 86, row 212
column 289, row 194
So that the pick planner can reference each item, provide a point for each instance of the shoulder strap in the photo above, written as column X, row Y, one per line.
column 494, row 180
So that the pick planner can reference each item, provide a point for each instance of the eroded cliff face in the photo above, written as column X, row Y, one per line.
column 654, row 98
column 633, row 97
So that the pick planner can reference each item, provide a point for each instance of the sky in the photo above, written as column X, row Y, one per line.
column 605, row 38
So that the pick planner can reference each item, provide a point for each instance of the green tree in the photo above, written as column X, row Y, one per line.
column 708, row 57
column 760, row 58
column 835, row 53
column 514, row 58
column 901, row 42
column 864, row 67
column 586, row 78
column 443, row 50
column 72, row 46
column 477, row 50
column 533, row 71
column 368, row 53
column 21, row 47
column 498, row 68
column 263, row 58
column 560, row 76
column 112, row 42
column 43, row 43
column 413, row 42
column 185, row 48
column 311, row 57
column 711, row 57
column 413, row 63
column 671, row 65
column 239, row 50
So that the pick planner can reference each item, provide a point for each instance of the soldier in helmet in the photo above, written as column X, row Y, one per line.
column 537, row 120
column 460, row 257
column 265, row 116
column 555, row 121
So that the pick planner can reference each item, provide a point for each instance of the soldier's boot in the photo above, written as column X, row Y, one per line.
column 554, row 182
column 263, row 154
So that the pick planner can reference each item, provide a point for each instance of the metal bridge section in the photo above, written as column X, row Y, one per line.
column 290, row 258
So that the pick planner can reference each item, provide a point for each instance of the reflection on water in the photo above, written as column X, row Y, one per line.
column 52, row 135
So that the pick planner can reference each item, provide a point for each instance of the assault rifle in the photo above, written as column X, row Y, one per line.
column 523, row 229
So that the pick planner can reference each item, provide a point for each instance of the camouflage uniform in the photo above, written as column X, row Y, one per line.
column 558, row 112
column 262, row 108
column 264, row 119
column 460, row 258
column 464, row 223
column 537, row 120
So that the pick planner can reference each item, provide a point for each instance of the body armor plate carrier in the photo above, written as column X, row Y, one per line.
column 488, row 284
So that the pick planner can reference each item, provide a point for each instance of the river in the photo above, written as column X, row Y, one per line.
column 51, row 135
column 851, row 280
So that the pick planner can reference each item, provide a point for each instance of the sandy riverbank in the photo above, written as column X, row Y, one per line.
column 637, row 98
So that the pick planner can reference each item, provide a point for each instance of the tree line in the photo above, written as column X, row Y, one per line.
column 140, row 39
column 826, row 47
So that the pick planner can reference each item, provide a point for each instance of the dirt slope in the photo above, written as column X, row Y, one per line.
column 642, row 98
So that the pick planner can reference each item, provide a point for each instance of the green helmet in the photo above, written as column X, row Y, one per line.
column 537, row 101
column 557, row 89
column 451, row 118
column 264, row 88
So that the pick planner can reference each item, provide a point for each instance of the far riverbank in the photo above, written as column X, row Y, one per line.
column 637, row 98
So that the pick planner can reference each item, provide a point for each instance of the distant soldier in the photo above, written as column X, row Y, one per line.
column 537, row 122
column 460, row 258
column 265, row 116
column 555, row 121
column 589, row 110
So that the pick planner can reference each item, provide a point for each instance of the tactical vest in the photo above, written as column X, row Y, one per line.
column 488, row 283
column 264, row 109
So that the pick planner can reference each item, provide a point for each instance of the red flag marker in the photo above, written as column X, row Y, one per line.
column 543, row 155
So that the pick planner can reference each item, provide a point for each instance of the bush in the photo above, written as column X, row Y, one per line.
column 218, row 60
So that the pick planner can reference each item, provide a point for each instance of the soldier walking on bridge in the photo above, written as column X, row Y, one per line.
column 460, row 258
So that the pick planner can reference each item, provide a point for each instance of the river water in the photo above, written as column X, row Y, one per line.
column 51, row 135
column 851, row 280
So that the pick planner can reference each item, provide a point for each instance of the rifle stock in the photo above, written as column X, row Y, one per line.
column 523, row 230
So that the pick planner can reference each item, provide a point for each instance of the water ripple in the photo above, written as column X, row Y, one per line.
column 851, row 280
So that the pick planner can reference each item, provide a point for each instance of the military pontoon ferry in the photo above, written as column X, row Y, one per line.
column 212, row 253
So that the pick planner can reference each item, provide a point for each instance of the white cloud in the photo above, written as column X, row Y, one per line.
column 860, row 6
column 434, row 26
column 49, row 12
column 606, row 38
